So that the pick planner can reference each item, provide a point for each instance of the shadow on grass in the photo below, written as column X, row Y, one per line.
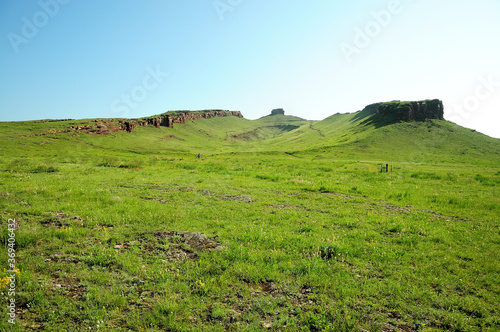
column 369, row 116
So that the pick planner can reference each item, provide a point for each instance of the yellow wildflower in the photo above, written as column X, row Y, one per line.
column 4, row 282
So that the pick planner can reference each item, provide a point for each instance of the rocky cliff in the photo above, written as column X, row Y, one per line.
column 106, row 126
column 278, row 111
column 398, row 111
column 168, row 119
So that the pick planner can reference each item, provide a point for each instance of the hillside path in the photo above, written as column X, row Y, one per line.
column 317, row 130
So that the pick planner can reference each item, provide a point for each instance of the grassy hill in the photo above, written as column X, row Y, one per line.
column 341, row 136
column 284, row 224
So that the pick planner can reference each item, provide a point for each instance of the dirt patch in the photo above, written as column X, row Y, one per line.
column 239, row 198
column 207, row 193
column 172, row 137
column 337, row 194
column 248, row 135
column 431, row 212
column 156, row 199
column 398, row 208
column 59, row 219
column 198, row 241
column 298, row 181
column 443, row 217
column 299, row 301
column 168, row 188
column 69, row 287
column 59, row 257
column 173, row 246
column 280, row 207
column 264, row 287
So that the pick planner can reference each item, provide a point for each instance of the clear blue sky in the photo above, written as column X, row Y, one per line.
column 130, row 58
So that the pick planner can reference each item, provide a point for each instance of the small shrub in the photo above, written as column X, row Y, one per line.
column 485, row 180
column 400, row 196
column 425, row 175
column 44, row 169
column 132, row 164
column 395, row 228
column 185, row 166
column 273, row 178
column 104, row 164
column 305, row 229
column 355, row 190
column 451, row 177
column 329, row 252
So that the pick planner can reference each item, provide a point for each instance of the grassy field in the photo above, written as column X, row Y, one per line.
column 284, row 224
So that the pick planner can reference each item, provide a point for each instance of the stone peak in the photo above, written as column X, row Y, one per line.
column 278, row 111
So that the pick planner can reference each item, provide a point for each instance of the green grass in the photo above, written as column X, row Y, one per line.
column 310, row 235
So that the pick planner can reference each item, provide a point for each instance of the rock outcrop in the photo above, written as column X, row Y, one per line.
column 107, row 126
column 398, row 111
column 168, row 119
column 163, row 120
column 278, row 111
column 128, row 126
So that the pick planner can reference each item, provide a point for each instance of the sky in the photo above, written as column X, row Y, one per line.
column 81, row 59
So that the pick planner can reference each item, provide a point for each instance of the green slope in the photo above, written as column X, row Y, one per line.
column 306, row 234
column 340, row 136
column 433, row 141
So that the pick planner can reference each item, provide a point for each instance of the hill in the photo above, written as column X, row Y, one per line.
column 374, row 134
column 283, row 224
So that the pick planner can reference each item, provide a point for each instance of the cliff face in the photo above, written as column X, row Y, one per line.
column 398, row 111
column 106, row 126
column 168, row 119
column 278, row 111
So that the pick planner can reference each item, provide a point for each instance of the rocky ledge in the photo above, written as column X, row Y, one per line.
column 106, row 126
column 407, row 111
column 168, row 119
